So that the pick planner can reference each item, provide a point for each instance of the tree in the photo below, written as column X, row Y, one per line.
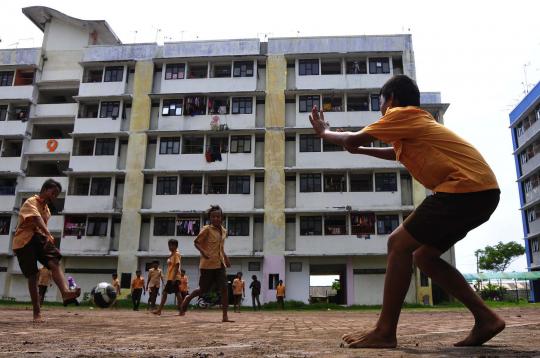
column 498, row 257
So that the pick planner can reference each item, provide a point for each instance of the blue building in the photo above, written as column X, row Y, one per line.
column 525, row 127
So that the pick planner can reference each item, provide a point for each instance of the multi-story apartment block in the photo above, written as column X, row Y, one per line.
column 525, row 127
column 144, row 138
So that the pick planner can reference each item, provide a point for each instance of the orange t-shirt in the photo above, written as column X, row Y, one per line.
column 280, row 291
column 184, row 283
column 238, row 286
column 212, row 240
column 173, row 260
column 137, row 282
column 26, row 228
column 434, row 155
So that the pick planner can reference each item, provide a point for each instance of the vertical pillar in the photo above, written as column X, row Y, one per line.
column 274, row 179
column 350, row 281
column 130, row 228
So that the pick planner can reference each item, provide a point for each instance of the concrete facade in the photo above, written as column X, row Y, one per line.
column 144, row 138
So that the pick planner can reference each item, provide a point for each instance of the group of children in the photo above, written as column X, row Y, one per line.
column 465, row 194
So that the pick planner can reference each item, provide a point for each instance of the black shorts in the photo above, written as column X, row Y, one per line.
column 39, row 248
column 445, row 218
column 212, row 277
column 172, row 286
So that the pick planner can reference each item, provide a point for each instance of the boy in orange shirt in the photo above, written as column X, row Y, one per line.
column 210, row 243
column 280, row 294
column 116, row 284
column 155, row 279
column 184, row 284
column 466, row 193
column 137, row 288
column 173, row 277
column 33, row 242
column 239, row 291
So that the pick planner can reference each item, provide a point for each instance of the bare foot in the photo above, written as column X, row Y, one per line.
column 182, row 313
column 373, row 339
column 157, row 313
column 71, row 295
column 38, row 319
column 482, row 332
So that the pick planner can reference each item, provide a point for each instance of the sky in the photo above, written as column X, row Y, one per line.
column 481, row 55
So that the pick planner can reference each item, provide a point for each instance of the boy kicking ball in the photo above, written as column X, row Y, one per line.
column 465, row 194
column 33, row 242
column 210, row 243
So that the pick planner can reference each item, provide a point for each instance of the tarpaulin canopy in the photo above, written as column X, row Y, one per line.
column 485, row 276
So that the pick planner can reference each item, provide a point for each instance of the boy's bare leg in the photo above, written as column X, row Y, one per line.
column 187, row 300
column 60, row 280
column 401, row 245
column 225, row 303
column 34, row 296
column 179, row 302
column 163, row 300
column 487, row 323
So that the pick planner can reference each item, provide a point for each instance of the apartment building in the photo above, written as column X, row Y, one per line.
column 144, row 138
column 525, row 128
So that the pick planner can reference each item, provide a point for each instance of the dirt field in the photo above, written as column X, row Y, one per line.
column 103, row 333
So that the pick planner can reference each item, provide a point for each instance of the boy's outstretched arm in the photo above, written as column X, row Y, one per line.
column 348, row 140
column 382, row 153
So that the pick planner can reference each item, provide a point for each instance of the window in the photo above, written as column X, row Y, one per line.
column 7, row 186
column 221, row 70
column 93, row 75
column 362, row 223
column 273, row 281
column 193, row 145
column 5, row 222
column 307, row 103
column 331, row 147
column 86, row 147
column 191, row 185
column 19, row 113
column 172, row 107
column 356, row 66
column 332, row 103
column 378, row 144
column 310, row 183
column 97, row 227
column 357, row 103
column 310, row 143
column 240, row 144
column 105, row 146
column 169, row 145
column 424, row 280
column 295, row 267
column 386, row 224
column 114, row 74
column 187, row 226
column 335, row 225
column 239, row 184
column 335, row 183
column 218, row 105
column 3, row 113
column 385, row 182
column 175, row 71
column 89, row 110
column 238, row 226
column 74, row 226
column 164, row 226
column 6, row 78
column 331, row 67
column 310, row 225
column 109, row 110
column 361, row 182
column 197, row 70
column 254, row 266
column 375, row 104
column 195, row 106
column 243, row 69
column 217, row 185
column 308, row 67
column 101, row 186
column 379, row 65
column 81, row 186
column 242, row 105
column 535, row 245
column 167, row 186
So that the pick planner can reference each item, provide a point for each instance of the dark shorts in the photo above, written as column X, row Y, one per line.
column 39, row 248
column 172, row 287
column 212, row 277
column 445, row 218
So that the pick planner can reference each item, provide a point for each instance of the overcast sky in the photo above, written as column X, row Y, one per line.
column 475, row 53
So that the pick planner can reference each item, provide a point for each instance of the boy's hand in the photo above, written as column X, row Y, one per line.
column 317, row 121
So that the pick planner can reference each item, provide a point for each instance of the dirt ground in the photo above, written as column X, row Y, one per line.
column 82, row 332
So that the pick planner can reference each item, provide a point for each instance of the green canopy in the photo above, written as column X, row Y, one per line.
column 485, row 276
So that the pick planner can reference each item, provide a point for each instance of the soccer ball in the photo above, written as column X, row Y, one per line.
column 103, row 295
